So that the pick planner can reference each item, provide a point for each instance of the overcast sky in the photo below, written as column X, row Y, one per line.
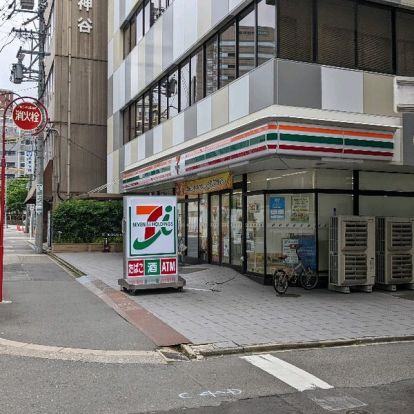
column 8, row 54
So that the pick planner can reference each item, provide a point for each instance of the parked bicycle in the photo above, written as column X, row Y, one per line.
column 307, row 278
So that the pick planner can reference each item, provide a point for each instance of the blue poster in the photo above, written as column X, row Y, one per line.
column 307, row 251
column 277, row 208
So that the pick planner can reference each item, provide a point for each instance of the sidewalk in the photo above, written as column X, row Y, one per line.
column 225, row 309
column 49, row 308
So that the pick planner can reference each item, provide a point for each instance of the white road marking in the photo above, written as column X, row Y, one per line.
column 288, row 373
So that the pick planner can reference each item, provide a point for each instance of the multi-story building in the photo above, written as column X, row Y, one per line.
column 75, row 96
column 265, row 117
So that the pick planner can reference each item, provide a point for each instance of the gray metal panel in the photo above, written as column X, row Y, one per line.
column 190, row 123
column 408, row 139
column 219, row 10
column 149, row 56
column 149, row 143
column 128, row 78
column 261, row 87
column 299, row 84
column 167, row 38
column 118, row 131
column 110, row 96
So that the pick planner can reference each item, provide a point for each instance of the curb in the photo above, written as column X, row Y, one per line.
column 200, row 351
column 72, row 269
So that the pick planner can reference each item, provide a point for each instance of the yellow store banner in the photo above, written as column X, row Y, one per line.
column 210, row 184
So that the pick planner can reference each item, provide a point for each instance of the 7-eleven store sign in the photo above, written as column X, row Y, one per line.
column 151, row 240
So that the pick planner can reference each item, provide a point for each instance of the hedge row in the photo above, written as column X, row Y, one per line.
column 86, row 221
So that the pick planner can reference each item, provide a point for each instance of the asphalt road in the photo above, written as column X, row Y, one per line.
column 360, row 379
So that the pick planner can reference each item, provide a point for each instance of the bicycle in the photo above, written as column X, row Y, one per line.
column 308, row 279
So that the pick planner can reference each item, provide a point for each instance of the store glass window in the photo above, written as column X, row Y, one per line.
column 405, row 43
column 330, row 205
column 197, row 76
column 374, row 38
column 154, row 105
column 334, row 179
column 211, row 66
column 227, row 68
column 255, row 234
column 181, row 220
column 185, row 85
column 280, row 180
column 139, row 125
column 192, row 235
column 290, row 221
column 296, row 30
column 386, row 206
column 247, row 39
column 236, row 224
column 215, row 228
column 336, row 32
column 266, row 31
column 203, row 228
column 225, row 228
column 163, row 100
column 147, row 112
column 172, row 92
column 386, row 181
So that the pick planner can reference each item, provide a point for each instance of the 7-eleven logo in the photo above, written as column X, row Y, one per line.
column 156, row 225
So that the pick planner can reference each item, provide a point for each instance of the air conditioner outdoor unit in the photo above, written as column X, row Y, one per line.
column 351, row 253
column 394, row 252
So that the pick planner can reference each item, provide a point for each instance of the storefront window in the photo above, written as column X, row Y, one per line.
column 215, row 228
column 334, row 179
column 225, row 228
column 330, row 205
column 255, row 234
column 203, row 223
column 290, row 222
column 386, row 181
column 236, row 228
column 386, row 206
column 181, row 220
column 281, row 180
column 192, row 237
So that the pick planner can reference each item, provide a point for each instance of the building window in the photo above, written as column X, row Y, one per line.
column 147, row 112
column 227, row 66
column 164, row 100
column 126, row 124
column 132, row 121
column 266, row 31
column 246, row 51
column 127, row 40
column 211, row 72
column 140, row 24
column 147, row 16
column 197, row 76
column 374, row 33
column 139, row 125
column 296, row 30
column 336, row 32
column 185, row 86
column 172, row 93
column 405, row 43
column 155, row 105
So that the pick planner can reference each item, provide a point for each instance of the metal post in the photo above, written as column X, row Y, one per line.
column 39, row 141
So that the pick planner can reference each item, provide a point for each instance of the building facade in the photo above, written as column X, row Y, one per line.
column 264, row 117
column 75, row 96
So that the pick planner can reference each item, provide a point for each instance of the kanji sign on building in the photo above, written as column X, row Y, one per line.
column 85, row 24
column 27, row 116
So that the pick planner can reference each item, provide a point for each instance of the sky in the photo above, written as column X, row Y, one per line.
column 8, row 53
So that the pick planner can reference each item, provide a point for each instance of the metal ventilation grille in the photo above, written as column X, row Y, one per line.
column 333, row 268
column 333, row 236
column 380, row 267
column 356, row 235
column 401, row 235
column 401, row 266
column 355, row 268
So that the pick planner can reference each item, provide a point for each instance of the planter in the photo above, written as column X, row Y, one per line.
column 84, row 247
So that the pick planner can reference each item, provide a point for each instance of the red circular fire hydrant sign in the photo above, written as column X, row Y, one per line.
column 27, row 116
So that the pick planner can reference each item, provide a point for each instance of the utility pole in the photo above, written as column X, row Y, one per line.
column 40, row 139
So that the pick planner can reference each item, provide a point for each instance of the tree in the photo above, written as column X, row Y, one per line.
column 16, row 194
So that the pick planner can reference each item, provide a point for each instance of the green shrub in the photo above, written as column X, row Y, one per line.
column 86, row 221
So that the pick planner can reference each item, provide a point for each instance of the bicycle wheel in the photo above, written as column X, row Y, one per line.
column 309, row 279
column 280, row 282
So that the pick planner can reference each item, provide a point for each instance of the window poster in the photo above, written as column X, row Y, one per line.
column 300, row 209
column 277, row 208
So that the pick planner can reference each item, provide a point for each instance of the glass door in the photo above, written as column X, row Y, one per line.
column 236, row 224
column 215, row 228
column 225, row 228
column 192, row 235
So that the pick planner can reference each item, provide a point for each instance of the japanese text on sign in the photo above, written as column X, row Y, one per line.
column 85, row 24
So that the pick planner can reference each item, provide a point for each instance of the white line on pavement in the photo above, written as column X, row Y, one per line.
column 288, row 373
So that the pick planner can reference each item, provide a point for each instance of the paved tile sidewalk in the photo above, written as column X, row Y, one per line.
column 222, row 307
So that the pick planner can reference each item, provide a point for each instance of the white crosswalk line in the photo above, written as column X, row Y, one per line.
column 288, row 373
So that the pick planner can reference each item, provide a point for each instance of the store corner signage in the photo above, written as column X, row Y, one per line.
column 85, row 23
column 151, row 240
column 210, row 184
column 27, row 116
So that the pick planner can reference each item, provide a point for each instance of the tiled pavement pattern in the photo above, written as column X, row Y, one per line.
column 222, row 307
